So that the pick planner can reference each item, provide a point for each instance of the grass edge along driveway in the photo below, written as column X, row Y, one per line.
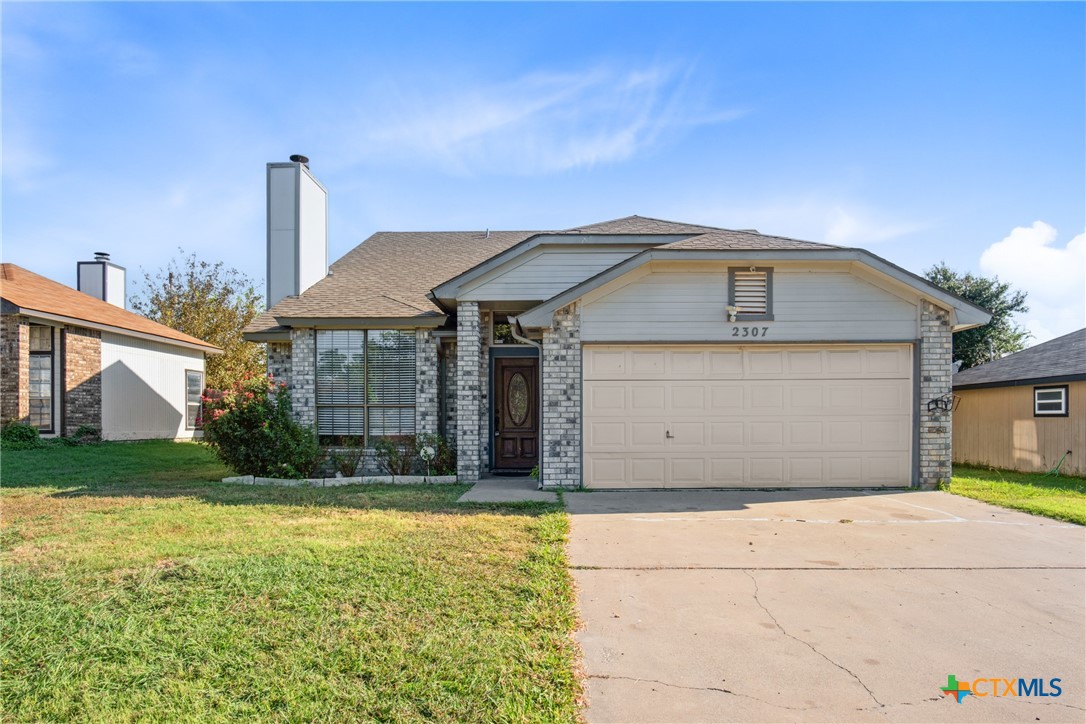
column 169, row 596
column 1063, row 497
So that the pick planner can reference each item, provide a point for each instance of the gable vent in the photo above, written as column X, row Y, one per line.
column 752, row 292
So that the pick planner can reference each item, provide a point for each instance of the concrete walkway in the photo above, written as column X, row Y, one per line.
column 817, row 606
column 507, row 490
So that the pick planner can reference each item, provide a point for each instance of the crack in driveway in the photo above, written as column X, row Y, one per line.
column 697, row 688
column 761, row 605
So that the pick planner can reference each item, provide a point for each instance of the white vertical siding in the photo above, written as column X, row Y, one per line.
column 687, row 304
column 545, row 272
column 143, row 388
column 282, row 232
column 312, row 232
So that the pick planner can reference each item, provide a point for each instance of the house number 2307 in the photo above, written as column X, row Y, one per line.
column 750, row 331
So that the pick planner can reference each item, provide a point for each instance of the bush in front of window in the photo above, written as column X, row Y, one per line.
column 252, row 430
column 397, row 455
column 17, row 435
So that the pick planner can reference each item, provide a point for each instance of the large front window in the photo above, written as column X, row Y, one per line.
column 365, row 383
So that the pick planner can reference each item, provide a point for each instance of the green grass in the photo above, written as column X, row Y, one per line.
column 1063, row 498
column 137, row 589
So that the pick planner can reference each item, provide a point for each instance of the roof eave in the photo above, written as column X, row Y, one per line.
column 430, row 321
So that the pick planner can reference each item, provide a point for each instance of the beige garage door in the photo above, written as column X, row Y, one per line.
column 754, row 416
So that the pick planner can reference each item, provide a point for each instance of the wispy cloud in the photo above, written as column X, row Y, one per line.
column 541, row 122
column 1053, row 276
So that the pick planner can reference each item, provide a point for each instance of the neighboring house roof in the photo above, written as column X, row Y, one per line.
column 387, row 277
column 34, row 295
column 1059, row 360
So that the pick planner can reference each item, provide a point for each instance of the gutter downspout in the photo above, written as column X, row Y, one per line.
column 516, row 330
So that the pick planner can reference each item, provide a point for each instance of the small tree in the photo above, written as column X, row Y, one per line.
column 251, row 429
column 1000, row 336
column 209, row 302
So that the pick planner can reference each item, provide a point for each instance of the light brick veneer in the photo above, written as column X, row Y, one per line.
column 427, row 400
column 469, row 384
column 936, row 370
column 561, row 379
column 14, row 367
column 303, row 375
column 279, row 361
column 448, row 358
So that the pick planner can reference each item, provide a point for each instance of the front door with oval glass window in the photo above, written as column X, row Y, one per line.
column 516, row 413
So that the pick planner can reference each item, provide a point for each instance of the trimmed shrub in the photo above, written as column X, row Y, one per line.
column 252, row 430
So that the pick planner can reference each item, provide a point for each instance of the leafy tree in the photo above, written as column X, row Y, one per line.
column 1000, row 336
column 209, row 302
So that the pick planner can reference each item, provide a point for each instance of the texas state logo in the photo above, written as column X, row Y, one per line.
column 998, row 686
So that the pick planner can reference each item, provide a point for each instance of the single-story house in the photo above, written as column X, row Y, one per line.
column 1025, row 411
column 72, row 359
column 623, row 354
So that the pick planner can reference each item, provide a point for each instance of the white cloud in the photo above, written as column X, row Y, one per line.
column 1053, row 276
column 537, row 123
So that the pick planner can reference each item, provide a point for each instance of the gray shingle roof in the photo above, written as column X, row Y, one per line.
column 390, row 274
column 1061, row 357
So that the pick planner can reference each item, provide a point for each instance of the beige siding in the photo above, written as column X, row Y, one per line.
column 686, row 301
column 996, row 427
column 546, row 272
column 143, row 388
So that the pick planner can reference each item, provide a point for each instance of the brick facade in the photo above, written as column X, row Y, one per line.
column 427, row 397
column 82, row 368
column 303, row 375
column 485, row 433
column 561, row 380
column 279, row 361
column 469, row 392
column 448, row 418
column 14, row 367
column 936, row 371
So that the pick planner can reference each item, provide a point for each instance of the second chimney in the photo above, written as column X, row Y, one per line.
column 102, row 279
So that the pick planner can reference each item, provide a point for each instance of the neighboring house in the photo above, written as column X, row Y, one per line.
column 72, row 359
column 629, row 353
column 1026, row 410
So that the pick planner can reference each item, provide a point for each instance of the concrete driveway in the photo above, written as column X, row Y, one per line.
column 824, row 606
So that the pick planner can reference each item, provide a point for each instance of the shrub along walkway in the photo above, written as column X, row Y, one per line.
column 136, row 588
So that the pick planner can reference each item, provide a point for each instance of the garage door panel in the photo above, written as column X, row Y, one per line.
column 763, row 416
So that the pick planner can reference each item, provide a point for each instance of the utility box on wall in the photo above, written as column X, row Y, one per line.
column 297, row 229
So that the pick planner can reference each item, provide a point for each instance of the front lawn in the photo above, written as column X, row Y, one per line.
column 152, row 592
column 1060, row 497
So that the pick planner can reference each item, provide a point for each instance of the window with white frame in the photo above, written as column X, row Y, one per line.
column 40, row 392
column 1050, row 401
column 365, row 383
column 750, row 292
column 194, row 390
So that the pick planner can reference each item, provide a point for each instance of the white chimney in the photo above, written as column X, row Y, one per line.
column 297, row 229
column 102, row 279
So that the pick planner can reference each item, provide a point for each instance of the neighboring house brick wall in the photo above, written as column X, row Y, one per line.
column 469, row 386
column 936, row 351
column 561, row 373
column 303, row 375
column 82, row 367
column 279, row 361
column 427, row 394
column 14, row 367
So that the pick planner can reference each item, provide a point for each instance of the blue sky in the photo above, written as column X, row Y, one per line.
column 923, row 132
